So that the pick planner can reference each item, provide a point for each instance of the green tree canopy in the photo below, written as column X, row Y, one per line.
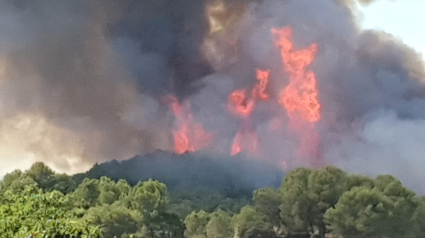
column 33, row 213
column 250, row 223
column 267, row 202
column 41, row 175
column 419, row 218
column 309, row 203
column 220, row 225
column 296, row 208
column 325, row 187
column 16, row 181
column 116, row 220
column 196, row 224
column 364, row 212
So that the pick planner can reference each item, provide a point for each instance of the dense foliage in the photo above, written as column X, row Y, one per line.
column 309, row 203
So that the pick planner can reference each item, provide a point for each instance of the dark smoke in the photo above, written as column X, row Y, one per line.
column 83, row 81
column 371, row 87
column 97, row 68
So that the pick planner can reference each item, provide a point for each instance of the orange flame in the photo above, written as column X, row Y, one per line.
column 237, row 144
column 245, row 139
column 240, row 104
column 300, row 97
column 188, row 136
column 259, row 91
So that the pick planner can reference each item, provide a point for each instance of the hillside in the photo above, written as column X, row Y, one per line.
column 231, row 176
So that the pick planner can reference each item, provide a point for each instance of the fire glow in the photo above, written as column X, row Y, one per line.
column 299, row 99
column 246, row 138
column 188, row 136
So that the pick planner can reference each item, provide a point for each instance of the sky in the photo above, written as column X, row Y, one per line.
column 404, row 19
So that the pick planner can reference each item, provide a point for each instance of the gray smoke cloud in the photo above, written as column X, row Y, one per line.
column 83, row 82
column 371, row 89
column 88, row 74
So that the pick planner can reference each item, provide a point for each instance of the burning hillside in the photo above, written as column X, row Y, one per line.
column 284, row 82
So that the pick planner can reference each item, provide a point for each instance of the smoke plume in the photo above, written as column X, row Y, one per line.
column 85, row 81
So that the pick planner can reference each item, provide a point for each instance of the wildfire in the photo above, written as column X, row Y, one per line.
column 245, row 139
column 240, row 104
column 188, row 136
column 259, row 91
column 300, row 97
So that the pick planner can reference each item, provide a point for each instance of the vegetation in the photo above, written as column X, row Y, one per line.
column 309, row 203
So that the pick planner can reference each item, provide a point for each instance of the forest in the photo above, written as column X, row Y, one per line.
column 326, row 202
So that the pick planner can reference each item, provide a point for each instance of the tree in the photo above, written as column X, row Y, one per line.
column 116, row 220
column 364, row 212
column 353, row 181
column 219, row 225
column 43, row 176
column 16, row 181
column 404, row 203
column 359, row 213
column 196, row 224
column 232, row 206
column 165, row 225
column 92, row 192
column 60, row 182
column 87, row 193
column 268, row 201
column 40, row 173
column 33, row 213
column 305, row 196
column 185, row 201
column 325, row 187
column 309, row 203
column 149, row 197
column 123, row 187
column 419, row 218
column 249, row 223
column 108, row 191
column 296, row 207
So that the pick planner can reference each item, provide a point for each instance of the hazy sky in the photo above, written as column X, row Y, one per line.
column 404, row 19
